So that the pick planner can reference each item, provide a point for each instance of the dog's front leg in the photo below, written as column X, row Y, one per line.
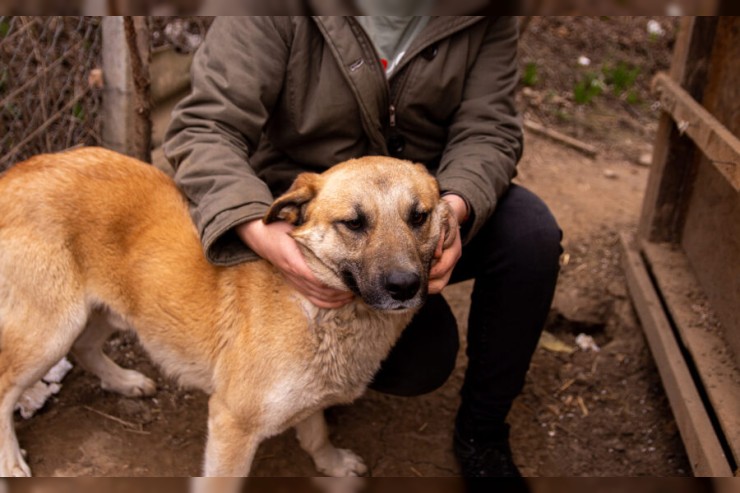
column 313, row 436
column 232, row 439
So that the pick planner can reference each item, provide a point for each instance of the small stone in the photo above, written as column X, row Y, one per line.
column 610, row 174
column 646, row 159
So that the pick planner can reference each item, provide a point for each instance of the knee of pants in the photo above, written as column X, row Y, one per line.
column 528, row 235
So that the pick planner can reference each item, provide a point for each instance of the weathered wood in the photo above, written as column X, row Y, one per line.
column 699, row 437
column 715, row 141
column 673, row 167
column 126, row 106
column 701, row 332
column 722, row 93
column 711, row 241
column 561, row 138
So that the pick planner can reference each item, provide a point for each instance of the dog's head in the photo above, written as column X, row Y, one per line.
column 369, row 226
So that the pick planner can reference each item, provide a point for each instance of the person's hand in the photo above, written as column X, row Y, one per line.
column 445, row 259
column 273, row 243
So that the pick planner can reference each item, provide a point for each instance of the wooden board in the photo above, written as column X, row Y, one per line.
column 673, row 164
column 715, row 141
column 722, row 92
column 711, row 240
column 125, row 108
column 699, row 437
column 701, row 333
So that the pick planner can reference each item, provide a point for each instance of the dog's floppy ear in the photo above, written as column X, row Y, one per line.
column 448, row 223
column 290, row 207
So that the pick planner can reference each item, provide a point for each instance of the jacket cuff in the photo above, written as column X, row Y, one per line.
column 480, row 203
column 221, row 244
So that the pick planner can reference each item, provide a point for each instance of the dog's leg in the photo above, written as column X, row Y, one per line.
column 232, row 438
column 313, row 436
column 29, row 348
column 88, row 349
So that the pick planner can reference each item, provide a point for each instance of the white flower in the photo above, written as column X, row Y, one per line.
column 654, row 28
column 584, row 60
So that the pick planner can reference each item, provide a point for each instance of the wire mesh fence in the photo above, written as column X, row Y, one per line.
column 50, row 85
column 51, row 81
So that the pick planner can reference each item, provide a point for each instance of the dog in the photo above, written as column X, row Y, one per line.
column 92, row 242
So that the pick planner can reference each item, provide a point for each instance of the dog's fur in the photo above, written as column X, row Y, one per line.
column 92, row 241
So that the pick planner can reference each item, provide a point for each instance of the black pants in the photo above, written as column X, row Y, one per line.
column 514, row 260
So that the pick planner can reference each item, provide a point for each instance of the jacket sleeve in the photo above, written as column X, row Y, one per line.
column 237, row 75
column 485, row 137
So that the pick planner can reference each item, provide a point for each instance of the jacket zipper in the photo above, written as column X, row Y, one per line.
column 389, row 93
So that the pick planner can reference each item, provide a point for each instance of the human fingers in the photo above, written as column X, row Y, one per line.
column 318, row 294
column 437, row 285
column 302, row 271
column 446, row 262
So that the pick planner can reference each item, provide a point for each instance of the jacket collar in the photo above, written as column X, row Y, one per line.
column 356, row 56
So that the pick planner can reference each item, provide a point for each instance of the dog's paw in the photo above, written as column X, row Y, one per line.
column 131, row 384
column 340, row 463
column 12, row 465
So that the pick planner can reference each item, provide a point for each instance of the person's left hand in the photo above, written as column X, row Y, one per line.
column 445, row 259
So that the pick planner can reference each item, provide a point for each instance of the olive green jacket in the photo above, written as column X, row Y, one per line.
column 275, row 96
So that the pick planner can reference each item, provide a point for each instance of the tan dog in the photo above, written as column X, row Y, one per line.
column 92, row 241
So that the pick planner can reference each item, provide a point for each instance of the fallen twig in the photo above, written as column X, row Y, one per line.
column 582, row 405
column 126, row 424
column 561, row 138
column 565, row 386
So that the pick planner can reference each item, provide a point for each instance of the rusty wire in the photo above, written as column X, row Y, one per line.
column 51, row 79
column 49, row 100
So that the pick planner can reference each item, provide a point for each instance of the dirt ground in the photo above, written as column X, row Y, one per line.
column 581, row 414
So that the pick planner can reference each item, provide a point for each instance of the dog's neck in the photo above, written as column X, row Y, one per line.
column 350, row 343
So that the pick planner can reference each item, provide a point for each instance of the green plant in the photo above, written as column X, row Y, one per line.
column 4, row 29
column 78, row 111
column 587, row 88
column 633, row 97
column 529, row 78
column 620, row 77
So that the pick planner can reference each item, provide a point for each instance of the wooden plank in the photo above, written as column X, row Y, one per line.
column 722, row 92
column 702, row 333
column 126, row 126
column 715, row 141
column 711, row 241
column 561, row 138
column 704, row 450
column 673, row 164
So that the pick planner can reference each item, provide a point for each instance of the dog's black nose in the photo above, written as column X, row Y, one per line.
column 402, row 285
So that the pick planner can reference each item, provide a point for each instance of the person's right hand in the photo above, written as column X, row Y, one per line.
column 273, row 243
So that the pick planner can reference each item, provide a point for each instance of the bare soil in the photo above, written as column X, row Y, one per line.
column 581, row 414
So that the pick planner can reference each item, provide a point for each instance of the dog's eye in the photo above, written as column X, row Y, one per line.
column 354, row 224
column 418, row 218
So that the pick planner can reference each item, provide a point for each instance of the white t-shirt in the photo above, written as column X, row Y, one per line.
column 392, row 35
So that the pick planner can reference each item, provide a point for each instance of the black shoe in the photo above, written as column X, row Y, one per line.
column 485, row 458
